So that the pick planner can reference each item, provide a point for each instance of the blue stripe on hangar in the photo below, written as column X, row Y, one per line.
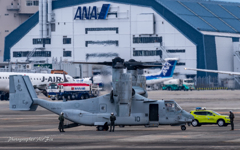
column 205, row 51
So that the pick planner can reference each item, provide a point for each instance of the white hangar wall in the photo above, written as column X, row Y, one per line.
column 130, row 23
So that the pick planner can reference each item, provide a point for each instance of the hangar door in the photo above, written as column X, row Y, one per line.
column 153, row 112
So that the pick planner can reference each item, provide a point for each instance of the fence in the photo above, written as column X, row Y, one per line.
column 214, row 83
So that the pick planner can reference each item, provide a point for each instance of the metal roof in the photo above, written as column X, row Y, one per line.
column 207, row 16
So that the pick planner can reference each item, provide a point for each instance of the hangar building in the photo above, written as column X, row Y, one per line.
column 201, row 34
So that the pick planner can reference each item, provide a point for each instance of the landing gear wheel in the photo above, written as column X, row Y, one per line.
column 195, row 123
column 183, row 127
column 221, row 123
column 100, row 128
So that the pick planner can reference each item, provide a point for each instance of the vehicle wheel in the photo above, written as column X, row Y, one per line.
column 183, row 127
column 53, row 99
column 100, row 128
column 195, row 123
column 221, row 123
column 2, row 98
column 44, row 93
column 76, row 96
column 96, row 93
column 82, row 96
column 86, row 96
column 58, row 97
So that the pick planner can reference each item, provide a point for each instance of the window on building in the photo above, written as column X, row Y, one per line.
column 6, row 30
column 6, row 14
column 67, row 53
column 147, row 53
column 29, row 3
column 176, row 50
column 53, row 27
column 41, row 41
column 36, row 54
column 35, row 3
column 147, row 39
column 101, row 42
column 100, row 29
column 66, row 40
column 181, row 64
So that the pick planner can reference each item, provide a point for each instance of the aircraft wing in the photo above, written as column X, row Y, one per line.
column 215, row 71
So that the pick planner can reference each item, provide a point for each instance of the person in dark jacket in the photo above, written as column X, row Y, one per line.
column 112, row 125
column 231, row 116
column 61, row 122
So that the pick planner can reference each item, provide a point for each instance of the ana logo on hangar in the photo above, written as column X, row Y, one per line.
column 84, row 13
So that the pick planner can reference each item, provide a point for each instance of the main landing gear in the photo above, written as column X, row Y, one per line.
column 183, row 127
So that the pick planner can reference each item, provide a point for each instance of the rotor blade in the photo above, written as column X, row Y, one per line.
column 95, row 63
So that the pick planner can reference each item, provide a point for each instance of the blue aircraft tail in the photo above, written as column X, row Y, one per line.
column 168, row 68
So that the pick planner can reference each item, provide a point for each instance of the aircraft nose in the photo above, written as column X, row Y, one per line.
column 188, row 115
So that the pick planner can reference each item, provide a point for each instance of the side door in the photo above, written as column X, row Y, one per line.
column 200, row 116
column 210, row 118
column 153, row 115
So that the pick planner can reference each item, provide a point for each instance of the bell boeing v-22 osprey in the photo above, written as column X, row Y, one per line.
column 124, row 101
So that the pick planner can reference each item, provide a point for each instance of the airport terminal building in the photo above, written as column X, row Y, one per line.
column 201, row 34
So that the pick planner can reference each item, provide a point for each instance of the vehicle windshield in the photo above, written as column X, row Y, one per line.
column 52, row 86
column 188, row 81
column 216, row 113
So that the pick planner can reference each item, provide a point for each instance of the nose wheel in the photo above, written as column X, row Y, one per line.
column 183, row 127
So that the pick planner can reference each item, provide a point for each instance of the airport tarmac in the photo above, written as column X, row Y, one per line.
column 38, row 130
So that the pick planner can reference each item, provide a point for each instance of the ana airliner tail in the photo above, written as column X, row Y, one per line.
column 165, row 74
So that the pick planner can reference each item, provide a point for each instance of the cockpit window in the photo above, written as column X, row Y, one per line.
column 170, row 106
column 178, row 107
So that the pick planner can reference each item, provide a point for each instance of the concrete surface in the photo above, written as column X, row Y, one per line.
column 38, row 130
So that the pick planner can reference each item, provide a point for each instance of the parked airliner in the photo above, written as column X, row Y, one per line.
column 39, row 80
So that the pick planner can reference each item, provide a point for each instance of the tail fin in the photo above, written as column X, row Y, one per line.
column 21, row 93
column 168, row 68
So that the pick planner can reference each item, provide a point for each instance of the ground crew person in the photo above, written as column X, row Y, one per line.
column 61, row 122
column 112, row 119
column 231, row 116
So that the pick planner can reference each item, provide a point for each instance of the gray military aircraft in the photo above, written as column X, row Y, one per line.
column 124, row 101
